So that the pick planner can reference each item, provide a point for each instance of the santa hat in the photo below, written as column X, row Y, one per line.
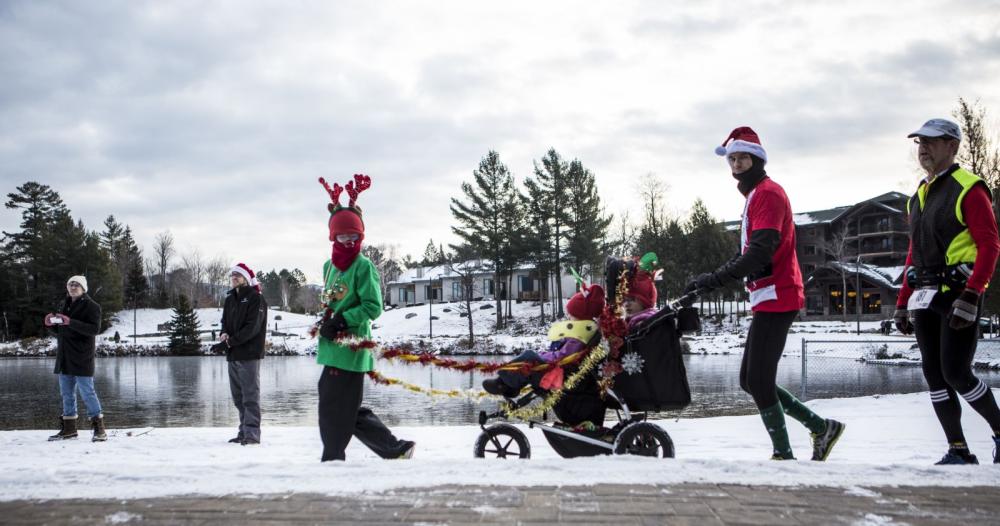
column 643, row 289
column 346, row 219
column 243, row 270
column 744, row 140
column 82, row 280
column 586, row 304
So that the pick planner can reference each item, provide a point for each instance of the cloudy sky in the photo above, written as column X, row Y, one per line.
column 214, row 119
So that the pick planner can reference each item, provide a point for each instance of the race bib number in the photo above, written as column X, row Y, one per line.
column 921, row 299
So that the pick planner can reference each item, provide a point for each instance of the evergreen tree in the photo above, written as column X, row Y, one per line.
column 270, row 287
column 49, row 248
column 708, row 244
column 489, row 219
column 538, row 244
column 431, row 255
column 550, row 187
column 586, row 241
column 184, row 329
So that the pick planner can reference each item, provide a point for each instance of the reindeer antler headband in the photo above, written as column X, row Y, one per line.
column 354, row 188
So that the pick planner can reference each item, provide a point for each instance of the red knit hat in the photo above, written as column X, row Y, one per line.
column 745, row 140
column 643, row 289
column 586, row 304
column 346, row 219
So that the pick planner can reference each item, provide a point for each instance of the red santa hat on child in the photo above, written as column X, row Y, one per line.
column 243, row 270
column 744, row 139
column 643, row 289
column 586, row 304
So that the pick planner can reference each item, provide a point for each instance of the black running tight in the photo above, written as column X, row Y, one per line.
column 947, row 363
column 765, row 344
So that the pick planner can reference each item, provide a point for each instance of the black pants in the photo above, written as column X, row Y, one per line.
column 341, row 417
column 765, row 344
column 947, row 356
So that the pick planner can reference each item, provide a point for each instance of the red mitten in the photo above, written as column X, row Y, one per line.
column 552, row 379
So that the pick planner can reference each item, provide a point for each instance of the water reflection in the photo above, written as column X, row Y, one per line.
column 194, row 391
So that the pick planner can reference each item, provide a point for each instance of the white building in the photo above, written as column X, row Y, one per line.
column 443, row 283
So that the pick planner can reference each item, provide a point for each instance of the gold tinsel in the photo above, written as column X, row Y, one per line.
column 453, row 393
column 586, row 366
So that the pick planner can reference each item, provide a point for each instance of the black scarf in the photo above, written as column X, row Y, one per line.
column 750, row 178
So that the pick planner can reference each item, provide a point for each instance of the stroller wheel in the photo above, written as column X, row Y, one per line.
column 644, row 439
column 502, row 441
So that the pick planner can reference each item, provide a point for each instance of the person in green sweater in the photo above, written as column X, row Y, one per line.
column 353, row 299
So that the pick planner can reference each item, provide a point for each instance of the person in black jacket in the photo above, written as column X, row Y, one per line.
column 76, row 325
column 244, row 326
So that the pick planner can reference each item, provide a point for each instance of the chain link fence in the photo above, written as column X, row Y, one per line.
column 842, row 368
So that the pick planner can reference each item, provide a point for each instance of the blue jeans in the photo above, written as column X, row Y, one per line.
column 67, row 388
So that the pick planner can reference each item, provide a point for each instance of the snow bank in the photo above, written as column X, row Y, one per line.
column 890, row 440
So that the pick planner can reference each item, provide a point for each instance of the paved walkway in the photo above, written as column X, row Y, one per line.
column 700, row 504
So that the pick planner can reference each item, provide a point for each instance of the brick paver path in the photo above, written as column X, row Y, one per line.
column 696, row 504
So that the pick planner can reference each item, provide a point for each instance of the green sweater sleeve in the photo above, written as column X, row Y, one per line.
column 369, row 291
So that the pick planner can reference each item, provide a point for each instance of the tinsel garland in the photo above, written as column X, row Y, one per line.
column 471, row 394
column 614, row 329
column 426, row 358
column 586, row 366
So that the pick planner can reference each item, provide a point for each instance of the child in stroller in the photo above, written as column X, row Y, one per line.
column 658, row 383
column 580, row 332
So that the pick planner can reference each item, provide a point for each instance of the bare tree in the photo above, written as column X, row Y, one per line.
column 465, row 263
column 385, row 259
column 217, row 271
column 195, row 265
column 980, row 153
column 836, row 247
column 625, row 235
column 163, row 250
column 652, row 189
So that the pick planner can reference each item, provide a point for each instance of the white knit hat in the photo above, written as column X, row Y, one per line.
column 78, row 279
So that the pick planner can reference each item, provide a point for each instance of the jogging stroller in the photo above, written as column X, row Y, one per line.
column 653, row 379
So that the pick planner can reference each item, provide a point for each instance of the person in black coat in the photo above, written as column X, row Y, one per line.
column 243, row 329
column 76, row 325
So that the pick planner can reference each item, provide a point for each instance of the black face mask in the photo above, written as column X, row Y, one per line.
column 749, row 179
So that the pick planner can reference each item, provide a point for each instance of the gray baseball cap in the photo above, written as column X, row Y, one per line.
column 938, row 128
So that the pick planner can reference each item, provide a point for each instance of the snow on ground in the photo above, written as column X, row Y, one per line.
column 890, row 440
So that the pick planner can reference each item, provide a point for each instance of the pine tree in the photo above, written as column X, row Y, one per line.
column 550, row 187
column 50, row 248
column 708, row 244
column 431, row 255
column 184, row 329
column 586, row 241
column 488, row 219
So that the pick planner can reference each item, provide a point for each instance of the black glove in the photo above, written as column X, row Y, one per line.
column 964, row 310
column 220, row 348
column 706, row 282
column 332, row 327
column 902, row 320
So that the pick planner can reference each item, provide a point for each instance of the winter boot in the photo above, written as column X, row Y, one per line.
column 496, row 386
column 956, row 457
column 100, row 435
column 782, row 456
column 237, row 440
column 406, row 448
column 823, row 442
column 67, row 429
